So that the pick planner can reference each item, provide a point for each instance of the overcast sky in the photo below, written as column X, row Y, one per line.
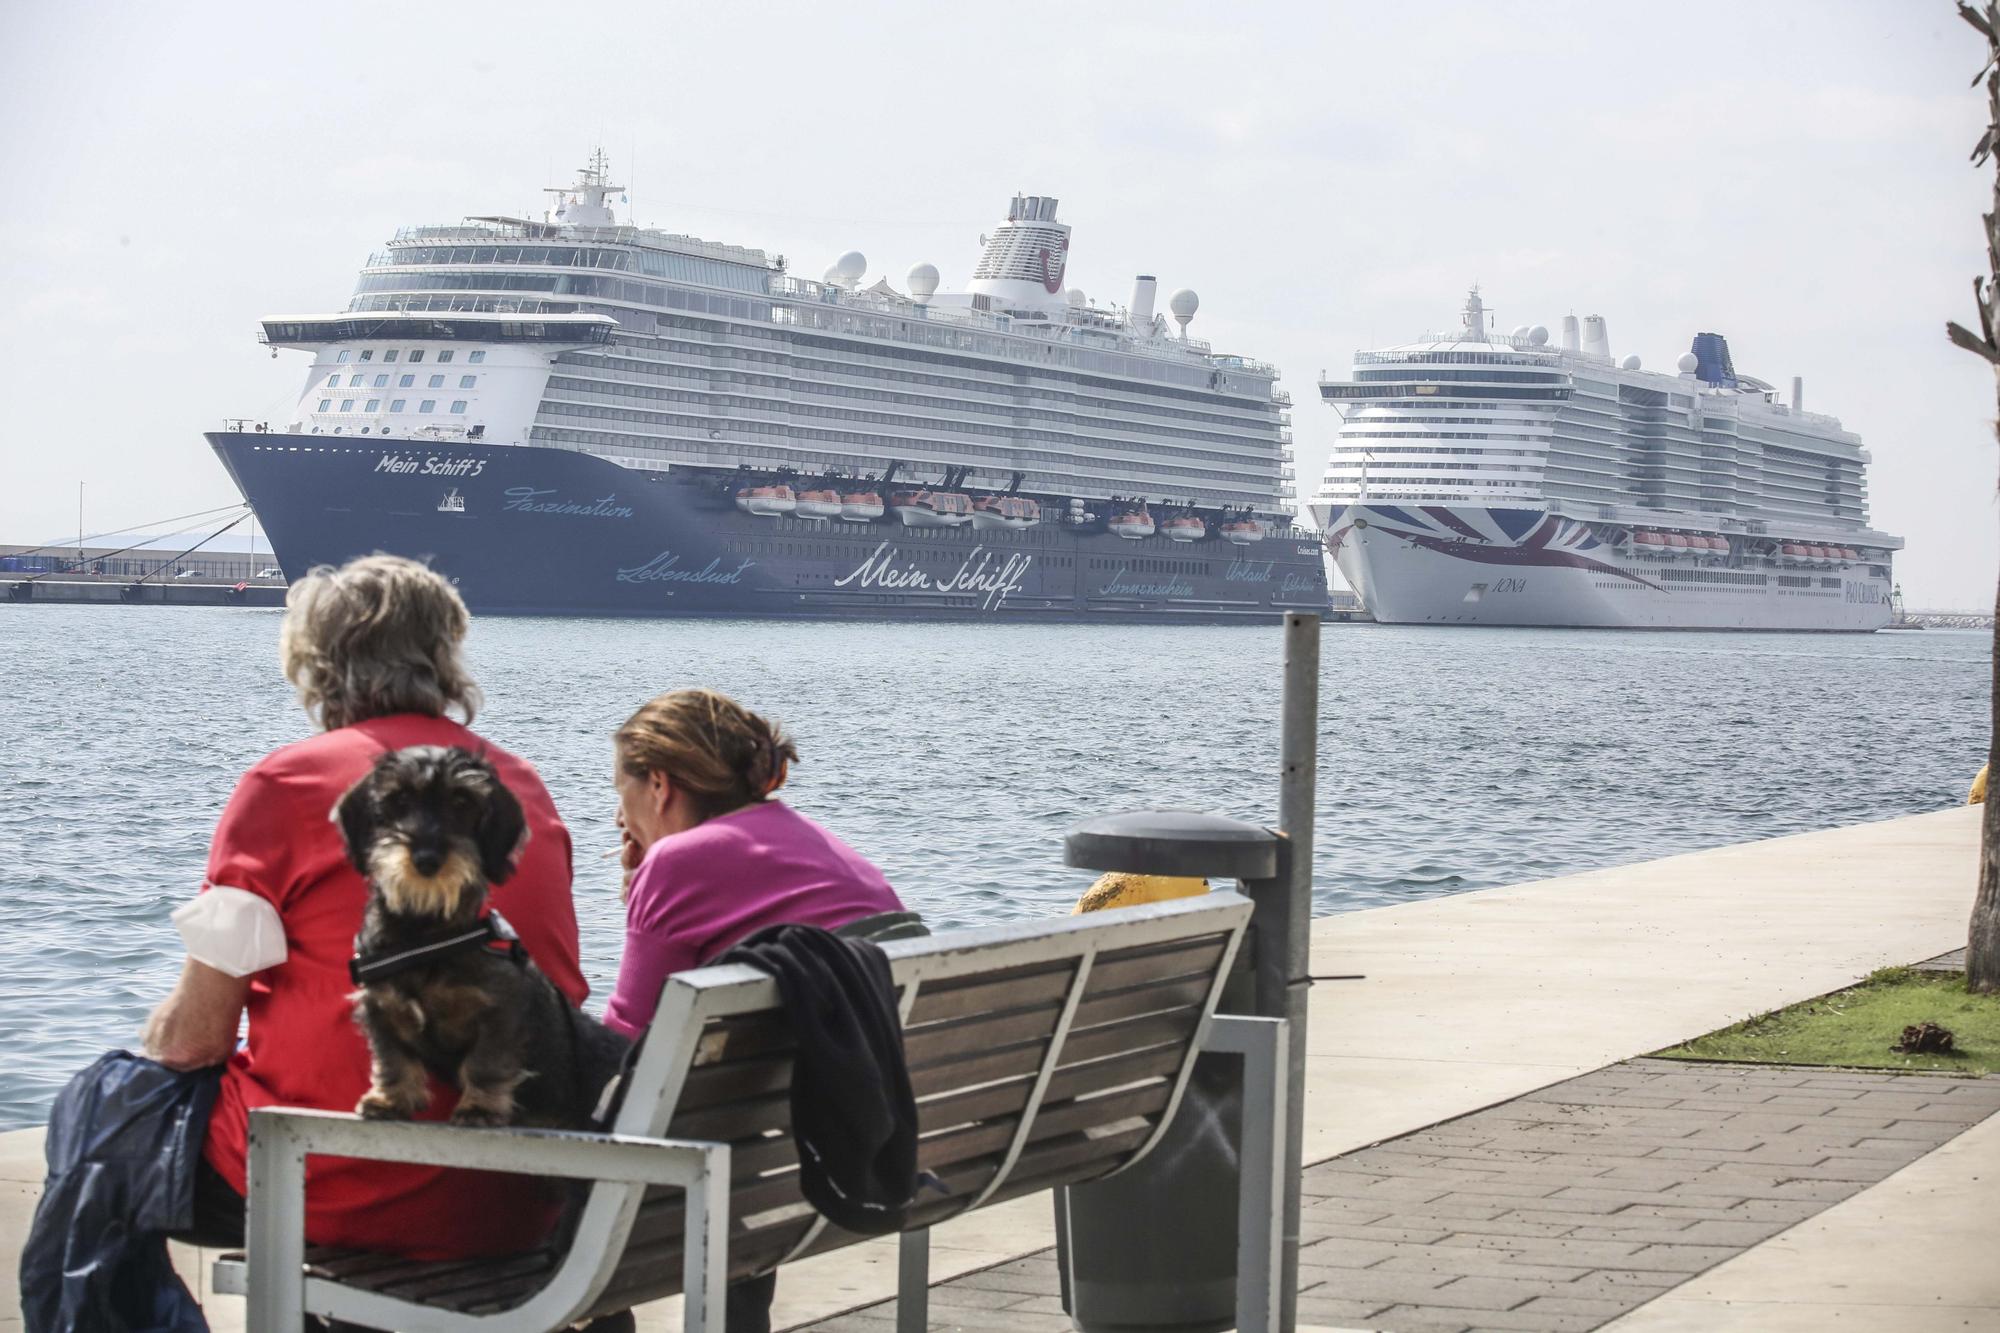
column 1328, row 176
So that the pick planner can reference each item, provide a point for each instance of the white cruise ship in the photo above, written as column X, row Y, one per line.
column 576, row 415
column 1483, row 478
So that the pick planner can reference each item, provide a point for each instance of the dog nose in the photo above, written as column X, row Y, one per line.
column 426, row 860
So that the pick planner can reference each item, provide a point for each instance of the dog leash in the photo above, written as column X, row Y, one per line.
column 491, row 930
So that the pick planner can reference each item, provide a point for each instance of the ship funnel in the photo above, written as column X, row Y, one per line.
column 1798, row 393
column 1570, row 343
column 1712, row 363
column 1596, row 337
column 1143, row 288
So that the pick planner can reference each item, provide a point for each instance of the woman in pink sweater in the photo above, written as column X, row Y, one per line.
column 711, row 855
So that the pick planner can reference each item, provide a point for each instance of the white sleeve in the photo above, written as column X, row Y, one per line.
column 232, row 930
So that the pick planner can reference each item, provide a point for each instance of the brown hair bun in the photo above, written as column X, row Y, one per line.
column 725, row 755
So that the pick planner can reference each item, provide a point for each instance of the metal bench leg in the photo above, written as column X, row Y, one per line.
column 705, row 1260
column 1260, row 1201
column 913, row 1281
column 276, row 1233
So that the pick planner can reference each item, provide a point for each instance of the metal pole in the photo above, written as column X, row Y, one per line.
column 1299, row 756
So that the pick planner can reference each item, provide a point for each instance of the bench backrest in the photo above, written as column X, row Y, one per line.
column 1041, row 1054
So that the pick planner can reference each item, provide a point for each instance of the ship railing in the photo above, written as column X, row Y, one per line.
column 488, row 233
column 1165, row 348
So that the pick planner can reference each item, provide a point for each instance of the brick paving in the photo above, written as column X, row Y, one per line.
column 1559, row 1210
column 1944, row 962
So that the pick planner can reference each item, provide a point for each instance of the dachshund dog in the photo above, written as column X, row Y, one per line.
column 445, row 987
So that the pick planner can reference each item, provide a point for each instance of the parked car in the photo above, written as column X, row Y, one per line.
column 187, row 574
column 270, row 572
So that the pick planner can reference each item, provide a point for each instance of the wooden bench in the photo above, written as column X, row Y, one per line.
column 1041, row 1054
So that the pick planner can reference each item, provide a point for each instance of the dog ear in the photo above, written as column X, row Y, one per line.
column 355, row 813
column 503, row 828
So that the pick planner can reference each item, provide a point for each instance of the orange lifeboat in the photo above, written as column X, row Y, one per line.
column 818, row 504
column 1676, row 544
column 1005, row 511
column 1185, row 528
column 932, row 509
column 861, row 507
column 766, row 501
column 1132, row 524
column 1242, row 531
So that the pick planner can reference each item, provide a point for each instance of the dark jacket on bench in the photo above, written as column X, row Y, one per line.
column 853, row 1116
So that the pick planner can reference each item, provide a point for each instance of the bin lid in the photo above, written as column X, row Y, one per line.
column 1173, row 842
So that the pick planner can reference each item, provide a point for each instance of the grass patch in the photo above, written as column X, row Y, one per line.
column 1856, row 1027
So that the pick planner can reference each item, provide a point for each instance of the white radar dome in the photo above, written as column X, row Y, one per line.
column 1520, row 330
column 832, row 276
column 1689, row 363
column 1184, row 303
column 1076, row 298
column 851, row 265
column 923, row 281
column 1629, row 363
column 1538, row 336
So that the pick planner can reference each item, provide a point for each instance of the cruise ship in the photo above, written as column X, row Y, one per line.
column 577, row 415
column 1486, row 478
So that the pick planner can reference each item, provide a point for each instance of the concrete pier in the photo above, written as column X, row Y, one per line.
column 153, row 592
column 1475, row 999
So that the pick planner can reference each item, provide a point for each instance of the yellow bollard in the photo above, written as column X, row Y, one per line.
column 1118, row 889
column 1977, row 796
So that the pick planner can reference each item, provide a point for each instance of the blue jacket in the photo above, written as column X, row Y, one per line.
column 124, row 1141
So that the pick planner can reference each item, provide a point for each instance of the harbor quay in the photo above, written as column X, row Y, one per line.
column 1458, row 1021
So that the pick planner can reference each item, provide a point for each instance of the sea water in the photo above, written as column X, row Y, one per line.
column 955, row 756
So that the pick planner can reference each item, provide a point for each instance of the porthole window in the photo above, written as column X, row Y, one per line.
column 444, row 356
column 458, row 406
column 475, row 357
column 396, row 405
column 416, row 355
column 428, row 405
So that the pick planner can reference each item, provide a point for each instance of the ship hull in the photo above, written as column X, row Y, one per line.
column 533, row 531
column 1450, row 565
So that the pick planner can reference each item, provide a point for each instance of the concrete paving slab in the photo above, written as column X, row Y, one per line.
column 1914, row 1252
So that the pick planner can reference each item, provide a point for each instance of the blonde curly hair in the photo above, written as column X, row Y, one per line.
column 378, row 635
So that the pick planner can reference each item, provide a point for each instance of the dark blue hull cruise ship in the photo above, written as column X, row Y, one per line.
column 534, row 531
column 575, row 416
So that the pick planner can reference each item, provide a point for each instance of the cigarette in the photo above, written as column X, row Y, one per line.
column 606, row 856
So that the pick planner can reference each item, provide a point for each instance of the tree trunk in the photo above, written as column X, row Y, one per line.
column 1982, row 944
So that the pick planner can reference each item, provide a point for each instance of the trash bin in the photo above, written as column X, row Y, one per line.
column 1154, row 1247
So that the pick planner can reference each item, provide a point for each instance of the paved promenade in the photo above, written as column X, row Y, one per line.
column 1476, row 999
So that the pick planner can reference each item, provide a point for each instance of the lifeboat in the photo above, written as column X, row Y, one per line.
column 818, row 504
column 1789, row 553
column 766, row 501
column 860, row 507
column 1185, row 528
column 1849, row 553
column 1676, row 544
column 1243, row 531
column 1133, row 524
column 1005, row 511
column 1646, row 543
column 932, row 509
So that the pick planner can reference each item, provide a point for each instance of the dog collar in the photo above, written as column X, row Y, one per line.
column 490, row 931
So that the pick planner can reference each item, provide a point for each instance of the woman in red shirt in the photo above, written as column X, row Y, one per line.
column 373, row 651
